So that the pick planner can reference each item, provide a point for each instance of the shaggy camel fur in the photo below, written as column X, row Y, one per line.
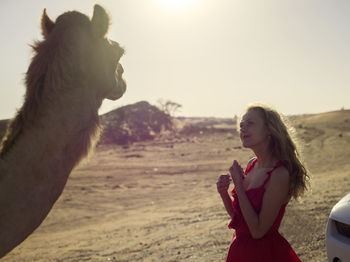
column 73, row 69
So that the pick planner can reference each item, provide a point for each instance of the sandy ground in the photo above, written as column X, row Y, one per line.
column 157, row 200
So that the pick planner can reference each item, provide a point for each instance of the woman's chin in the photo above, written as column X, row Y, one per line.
column 248, row 144
column 245, row 145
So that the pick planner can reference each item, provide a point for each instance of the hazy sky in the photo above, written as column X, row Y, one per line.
column 211, row 56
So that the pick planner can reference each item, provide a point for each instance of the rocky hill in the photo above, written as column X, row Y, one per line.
column 136, row 122
column 142, row 121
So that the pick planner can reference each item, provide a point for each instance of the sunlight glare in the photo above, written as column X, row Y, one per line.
column 177, row 4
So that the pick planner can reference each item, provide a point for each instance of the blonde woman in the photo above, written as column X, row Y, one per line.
column 262, row 192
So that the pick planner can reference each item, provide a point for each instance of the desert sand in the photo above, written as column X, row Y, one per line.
column 157, row 200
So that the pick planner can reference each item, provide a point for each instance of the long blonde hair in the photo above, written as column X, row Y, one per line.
column 284, row 148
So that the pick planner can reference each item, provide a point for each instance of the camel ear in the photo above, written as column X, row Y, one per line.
column 46, row 24
column 100, row 22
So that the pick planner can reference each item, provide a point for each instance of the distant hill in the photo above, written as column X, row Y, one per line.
column 143, row 121
column 195, row 124
column 324, row 137
column 339, row 120
column 329, row 123
column 136, row 122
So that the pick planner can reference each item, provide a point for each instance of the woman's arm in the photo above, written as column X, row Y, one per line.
column 222, row 187
column 227, row 203
column 276, row 194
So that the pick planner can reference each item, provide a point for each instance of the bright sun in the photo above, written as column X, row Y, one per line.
column 177, row 4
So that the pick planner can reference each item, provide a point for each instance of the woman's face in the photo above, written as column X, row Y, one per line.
column 253, row 130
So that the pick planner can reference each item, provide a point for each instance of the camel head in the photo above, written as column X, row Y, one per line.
column 85, row 54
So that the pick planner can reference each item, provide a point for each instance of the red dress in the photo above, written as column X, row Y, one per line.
column 272, row 247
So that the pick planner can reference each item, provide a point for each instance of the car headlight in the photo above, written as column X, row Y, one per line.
column 342, row 228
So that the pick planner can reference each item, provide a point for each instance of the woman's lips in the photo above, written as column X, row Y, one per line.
column 245, row 136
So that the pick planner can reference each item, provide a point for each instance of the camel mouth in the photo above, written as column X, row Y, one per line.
column 118, row 91
column 119, row 84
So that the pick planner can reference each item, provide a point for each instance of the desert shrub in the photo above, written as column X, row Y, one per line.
column 168, row 107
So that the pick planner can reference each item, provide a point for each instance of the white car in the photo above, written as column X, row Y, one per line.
column 338, row 232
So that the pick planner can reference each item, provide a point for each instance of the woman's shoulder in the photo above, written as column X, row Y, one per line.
column 279, row 182
column 280, row 174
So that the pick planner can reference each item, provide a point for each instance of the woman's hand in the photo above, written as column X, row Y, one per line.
column 223, row 184
column 236, row 172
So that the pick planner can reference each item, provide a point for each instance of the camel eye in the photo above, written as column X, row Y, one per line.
column 116, row 51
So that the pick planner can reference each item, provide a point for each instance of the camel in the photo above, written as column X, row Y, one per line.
column 73, row 69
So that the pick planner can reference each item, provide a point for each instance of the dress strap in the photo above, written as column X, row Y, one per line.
column 278, row 164
column 250, row 165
